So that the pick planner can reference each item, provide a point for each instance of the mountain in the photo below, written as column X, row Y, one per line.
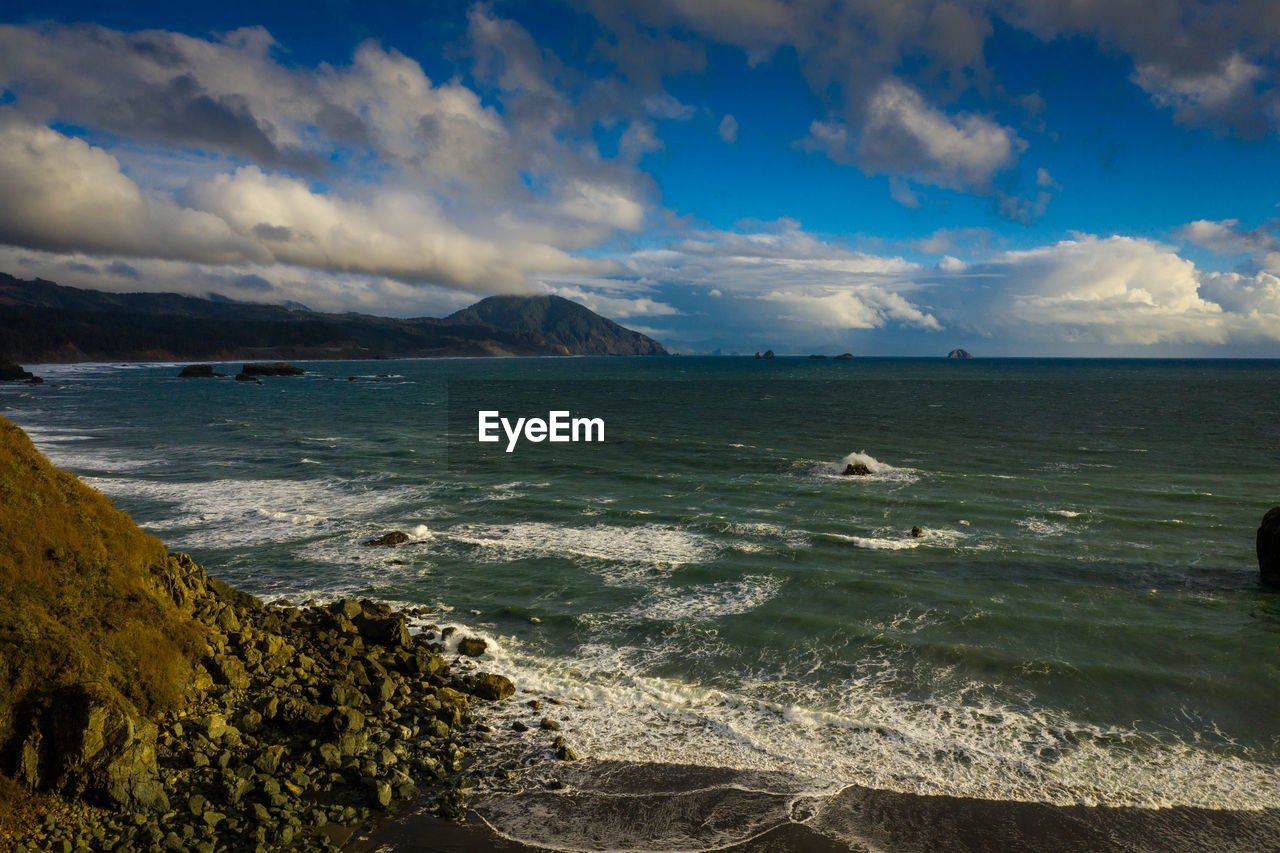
column 560, row 322
column 41, row 321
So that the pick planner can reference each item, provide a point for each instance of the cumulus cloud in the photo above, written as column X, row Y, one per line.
column 1114, row 290
column 903, row 135
column 425, row 183
column 59, row 193
column 1226, row 237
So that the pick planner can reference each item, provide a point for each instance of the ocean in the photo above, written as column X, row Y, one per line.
column 1078, row 624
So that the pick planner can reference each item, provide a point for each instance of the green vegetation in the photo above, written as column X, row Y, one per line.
column 83, row 598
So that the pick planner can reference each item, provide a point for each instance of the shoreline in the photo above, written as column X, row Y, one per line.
column 674, row 803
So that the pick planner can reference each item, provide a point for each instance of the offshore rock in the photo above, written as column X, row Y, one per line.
column 275, row 368
column 198, row 371
column 958, row 353
column 245, row 377
column 387, row 540
column 13, row 372
column 855, row 469
column 845, row 356
column 472, row 647
column 1268, row 544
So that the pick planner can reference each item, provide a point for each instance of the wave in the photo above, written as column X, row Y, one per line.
column 885, row 540
column 706, row 602
column 880, row 471
column 859, row 733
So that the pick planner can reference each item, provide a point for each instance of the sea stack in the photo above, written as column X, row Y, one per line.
column 1269, row 548
column 959, row 353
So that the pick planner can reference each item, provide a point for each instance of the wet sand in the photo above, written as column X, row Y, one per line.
column 609, row 806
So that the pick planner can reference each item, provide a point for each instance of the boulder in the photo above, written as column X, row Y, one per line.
column 275, row 368
column 916, row 531
column 472, row 647
column 96, row 746
column 389, row 631
column 386, row 540
column 1269, row 548
column 492, row 687
column 958, row 353
column 855, row 469
column 198, row 371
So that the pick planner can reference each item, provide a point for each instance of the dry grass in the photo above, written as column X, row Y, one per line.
column 78, row 598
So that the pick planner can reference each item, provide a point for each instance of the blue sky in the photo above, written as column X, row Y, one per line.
column 1016, row 178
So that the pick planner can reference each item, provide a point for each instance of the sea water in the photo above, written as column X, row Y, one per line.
column 1079, row 620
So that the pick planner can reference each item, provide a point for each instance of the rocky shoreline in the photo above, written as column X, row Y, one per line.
column 304, row 726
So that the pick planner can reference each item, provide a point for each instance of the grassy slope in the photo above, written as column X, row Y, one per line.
column 80, row 594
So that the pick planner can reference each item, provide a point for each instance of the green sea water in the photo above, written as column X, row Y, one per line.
column 1080, row 620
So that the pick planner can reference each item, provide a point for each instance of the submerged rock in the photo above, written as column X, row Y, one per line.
column 244, row 377
column 855, row 469
column 1268, row 545
column 386, row 540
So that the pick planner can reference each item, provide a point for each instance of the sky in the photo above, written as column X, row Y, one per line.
column 881, row 177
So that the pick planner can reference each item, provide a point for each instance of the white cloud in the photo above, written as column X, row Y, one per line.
column 1202, row 97
column 728, row 129
column 1111, row 291
column 905, row 136
column 58, row 193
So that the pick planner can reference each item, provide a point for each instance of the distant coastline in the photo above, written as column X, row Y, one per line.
column 46, row 323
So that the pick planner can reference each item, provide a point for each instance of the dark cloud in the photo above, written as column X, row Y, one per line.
column 122, row 269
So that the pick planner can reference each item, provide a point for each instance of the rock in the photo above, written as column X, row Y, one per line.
column 198, row 371
column 275, row 368
column 492, row 687
column 757, row 353
column 1269, row 548
column 549, row 725
column 472, row 647
column 958, row 353
column 845, row 356
column 916, row 531
column 519, row 726
column 347, row 608
column 386, row 540
column 12, row 372
column 390, row 632
column 855, row 469
column 244, row 377
column 379, row 793
column 768, row 354
column 347, row 720
column 817, row 356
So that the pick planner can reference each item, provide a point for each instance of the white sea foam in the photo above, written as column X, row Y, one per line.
column 622, row 550
column 1041, row 527
column 880, row 471
column 706, row 602
column 227, row 513
column 890, row 540
column 859, row 733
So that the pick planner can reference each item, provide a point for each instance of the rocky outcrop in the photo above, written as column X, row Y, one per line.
column 845, row 356
column 958, row 353
column 817, row 356
column 275, row 368
column 855, row 469
column 199, row 371
column 767, row 354
column 472, row 647
column 11, row 371
column 1268, row 546
column 387, row 540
